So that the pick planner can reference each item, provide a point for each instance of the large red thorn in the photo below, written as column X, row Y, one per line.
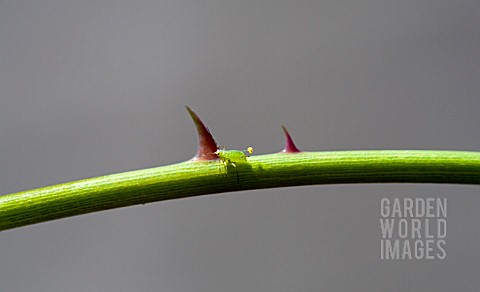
column 289, row 145
column 206, row 144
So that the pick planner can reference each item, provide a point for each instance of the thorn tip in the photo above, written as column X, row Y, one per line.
column 289, row 144
column 206, row 144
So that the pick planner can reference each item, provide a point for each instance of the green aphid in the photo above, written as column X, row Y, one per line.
column 232, row 157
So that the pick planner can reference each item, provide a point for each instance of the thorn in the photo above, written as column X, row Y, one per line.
column 206, row 144
column 289, row 145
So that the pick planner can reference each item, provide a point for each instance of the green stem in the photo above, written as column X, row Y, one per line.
column 194, row 178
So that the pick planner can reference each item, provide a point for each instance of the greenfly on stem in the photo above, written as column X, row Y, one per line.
column 232, row 157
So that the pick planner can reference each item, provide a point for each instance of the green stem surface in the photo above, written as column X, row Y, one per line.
column 194, row 178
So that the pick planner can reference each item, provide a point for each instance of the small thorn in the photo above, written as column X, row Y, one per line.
column 206, row 144
column 289, row 145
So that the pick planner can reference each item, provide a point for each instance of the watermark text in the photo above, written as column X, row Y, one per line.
column 413, row 228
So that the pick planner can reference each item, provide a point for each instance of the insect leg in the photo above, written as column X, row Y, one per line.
column 236, row 170
column 225, row 166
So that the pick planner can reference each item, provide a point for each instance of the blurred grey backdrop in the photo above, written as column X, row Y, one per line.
column 97, row 87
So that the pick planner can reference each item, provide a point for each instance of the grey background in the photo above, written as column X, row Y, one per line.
column 96, row 87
